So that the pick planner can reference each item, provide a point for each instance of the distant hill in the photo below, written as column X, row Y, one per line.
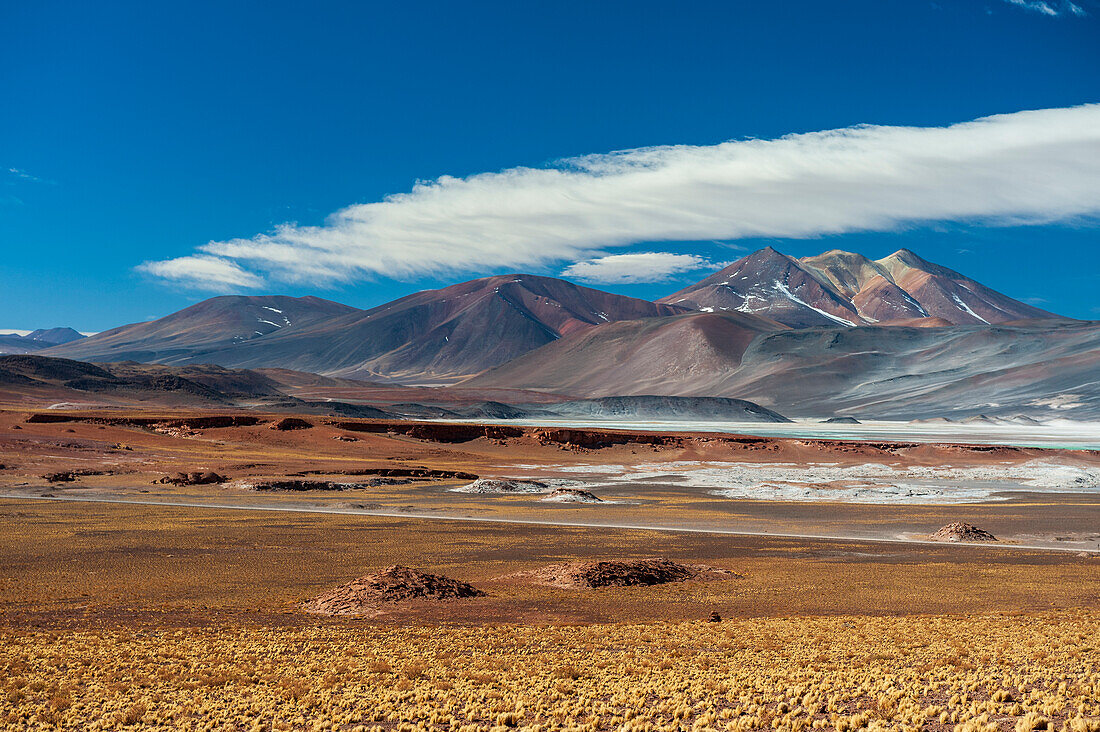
column 208, row 327
column 36, row 380
column 435, row 335
column 37, row 340
column 648, row 407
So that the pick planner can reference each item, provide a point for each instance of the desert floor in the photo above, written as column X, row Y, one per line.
column 189, row 616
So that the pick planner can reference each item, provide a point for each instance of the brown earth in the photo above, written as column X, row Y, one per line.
column 112, row 454
column 187, row 613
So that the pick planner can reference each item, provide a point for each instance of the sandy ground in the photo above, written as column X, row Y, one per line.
column 70, row 563
column 186, row 614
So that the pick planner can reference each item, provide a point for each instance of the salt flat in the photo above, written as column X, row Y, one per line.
column 858, row 483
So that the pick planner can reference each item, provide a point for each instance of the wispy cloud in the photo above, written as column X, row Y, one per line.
column 636, row 267
column 1054, row 8
column 212, row 273
column 14, row 174
column 1027, row 167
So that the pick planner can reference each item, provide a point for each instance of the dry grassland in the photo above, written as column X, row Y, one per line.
column 970, row 674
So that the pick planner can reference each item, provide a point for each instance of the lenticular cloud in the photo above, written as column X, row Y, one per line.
column 1028, row 167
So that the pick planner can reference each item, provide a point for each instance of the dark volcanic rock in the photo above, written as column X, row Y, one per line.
column 292, row 423
column 623, row 573
column 430, row 473
column 433, row 432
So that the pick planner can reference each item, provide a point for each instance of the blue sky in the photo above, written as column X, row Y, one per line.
column 140, row 132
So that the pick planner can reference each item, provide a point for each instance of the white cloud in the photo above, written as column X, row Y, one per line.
column 1047, row 8
column 635, row 268
column 211, row 273
column 1027, row 167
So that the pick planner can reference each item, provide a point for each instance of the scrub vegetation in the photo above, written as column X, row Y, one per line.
column 978, row 673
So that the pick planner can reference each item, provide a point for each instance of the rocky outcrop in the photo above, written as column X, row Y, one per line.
column 503, row 485
column 572, row 495
column 430, row 473
column 299, row 485
column 200, row 477
column 596, row 439
column 292, row 423
column 615, row 573
column 394, row 584
column 214, row 421
column 431, row 431
column 68, row 476
column 959, row 531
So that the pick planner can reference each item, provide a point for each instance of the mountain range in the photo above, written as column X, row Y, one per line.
column 37, row 340
column 432, row 336
column 837, row 332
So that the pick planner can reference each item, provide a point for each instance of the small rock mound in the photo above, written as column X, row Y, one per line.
column 394, row 584
column 292, row 423
column 959, row 531
column 503, row 485
column 68, row 476
column 615, row 573
column 198, row 477
column 572, row 495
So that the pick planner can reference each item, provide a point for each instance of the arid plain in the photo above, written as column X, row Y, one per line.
column 130, row 601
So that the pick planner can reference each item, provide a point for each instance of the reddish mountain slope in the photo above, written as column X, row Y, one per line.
column 442, row 335
column 636, row 357
column 843, row 288
column 771, row 285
